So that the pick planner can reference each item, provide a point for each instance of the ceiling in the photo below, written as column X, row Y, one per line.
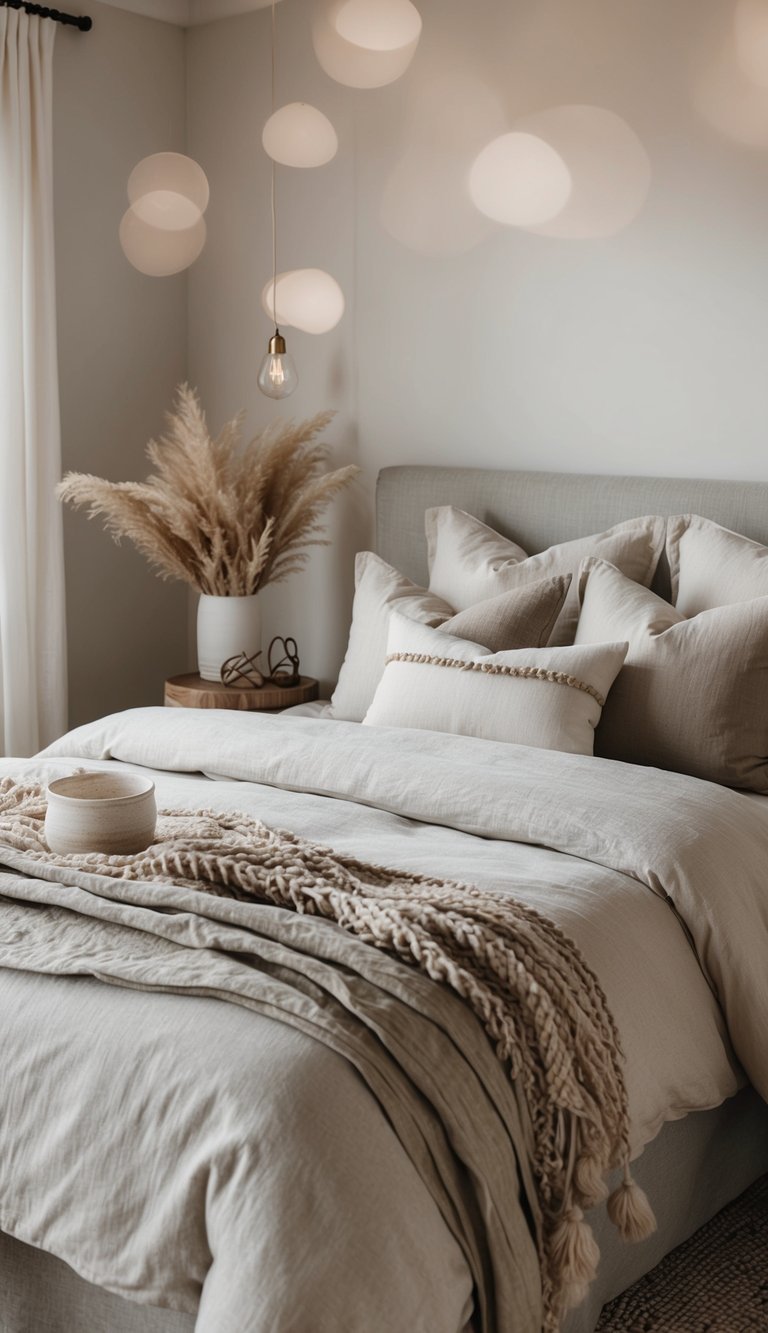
column 187, row 12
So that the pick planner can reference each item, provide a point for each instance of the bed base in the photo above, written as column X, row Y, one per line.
column 693, row 1168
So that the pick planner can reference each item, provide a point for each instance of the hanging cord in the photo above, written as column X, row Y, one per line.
column 274, row 204
column 80, row 21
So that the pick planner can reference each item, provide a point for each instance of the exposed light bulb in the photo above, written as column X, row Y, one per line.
column 278, row 376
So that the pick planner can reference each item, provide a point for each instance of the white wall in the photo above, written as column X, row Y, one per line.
column 228, row 89
column 643, row 352
column 119, row 95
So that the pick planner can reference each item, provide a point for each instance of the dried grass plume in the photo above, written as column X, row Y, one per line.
column 225, row 517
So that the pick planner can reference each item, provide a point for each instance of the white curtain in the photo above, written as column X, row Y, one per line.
column 33, row 677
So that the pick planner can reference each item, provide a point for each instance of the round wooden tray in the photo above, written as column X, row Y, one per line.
column 191, row 691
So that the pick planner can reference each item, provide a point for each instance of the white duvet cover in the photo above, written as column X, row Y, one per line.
column 241, row 1160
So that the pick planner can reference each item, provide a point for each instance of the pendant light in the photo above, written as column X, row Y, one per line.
column 277, row 376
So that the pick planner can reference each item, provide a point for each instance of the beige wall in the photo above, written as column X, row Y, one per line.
column 118, row 96
column 228, row 82
column 643, row 352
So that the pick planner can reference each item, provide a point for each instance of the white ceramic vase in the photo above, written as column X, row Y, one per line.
column 226, row 627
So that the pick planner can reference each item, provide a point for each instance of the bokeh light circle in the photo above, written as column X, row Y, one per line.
column 308, row 299
column 353, row 65
column 298, row 135
column 519, row 180
column 609, row 167
column 750, row 24
column 159, row 252
column 378, row 25
column 169, row 173
column 167, row 210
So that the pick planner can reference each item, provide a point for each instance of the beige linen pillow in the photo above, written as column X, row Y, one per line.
column 692, row 694
column 545, row 697
column 711, row 566
column 468, row 561
column 510, row 621
column 378, row 587
column 523, row 618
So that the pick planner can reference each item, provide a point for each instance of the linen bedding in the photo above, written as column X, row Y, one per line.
column 183, row 1150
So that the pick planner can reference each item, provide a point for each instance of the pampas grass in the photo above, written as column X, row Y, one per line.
column 225, row 517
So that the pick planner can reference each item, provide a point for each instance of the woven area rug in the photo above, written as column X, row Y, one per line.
column 717, row 1282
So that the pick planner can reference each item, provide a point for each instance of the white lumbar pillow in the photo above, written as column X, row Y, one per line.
column 513, row 620
column 550, row 698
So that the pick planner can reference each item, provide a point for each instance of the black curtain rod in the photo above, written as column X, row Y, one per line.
column 81, row 21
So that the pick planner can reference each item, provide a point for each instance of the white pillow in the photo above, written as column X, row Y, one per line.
column 378, row 587
column 550, row 698
column 469, row 562
column 711, row 566
column 513, row 620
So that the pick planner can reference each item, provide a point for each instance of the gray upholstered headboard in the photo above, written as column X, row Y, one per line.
column 540, row 508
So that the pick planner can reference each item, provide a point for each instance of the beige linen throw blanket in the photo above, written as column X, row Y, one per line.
column 534, row 995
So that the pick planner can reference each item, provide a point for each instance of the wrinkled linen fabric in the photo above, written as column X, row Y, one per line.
column 616, row 856
column 541, row 1008
column 445, row 1093
column 203, row 1157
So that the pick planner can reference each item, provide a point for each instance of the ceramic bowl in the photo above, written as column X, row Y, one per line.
column 114, row 813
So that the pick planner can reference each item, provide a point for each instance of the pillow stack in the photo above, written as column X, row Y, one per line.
column 487, row 600
column 518, row 619
column 468, row 561
column 526, row 649
column 692, row 694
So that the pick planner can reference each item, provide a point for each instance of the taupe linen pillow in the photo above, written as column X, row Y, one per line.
column 693, row 694
column 468, row 561
column 711, row 566
column 513, row 620
column 523, row 618
column 549, row 698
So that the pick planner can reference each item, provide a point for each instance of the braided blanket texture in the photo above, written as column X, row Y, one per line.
column 538, row 1001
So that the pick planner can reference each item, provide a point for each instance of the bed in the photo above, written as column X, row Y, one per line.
column 321, row 1220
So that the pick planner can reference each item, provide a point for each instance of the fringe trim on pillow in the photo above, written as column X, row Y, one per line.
column 498, row 669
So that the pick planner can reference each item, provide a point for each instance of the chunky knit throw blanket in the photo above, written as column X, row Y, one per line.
column 537, row 999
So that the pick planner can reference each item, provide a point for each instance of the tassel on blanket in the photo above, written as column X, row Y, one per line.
column 630, row 1211
column 574, row 1255
column 590, row 1186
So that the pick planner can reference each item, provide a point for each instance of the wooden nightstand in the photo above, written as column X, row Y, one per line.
column 191, row 691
